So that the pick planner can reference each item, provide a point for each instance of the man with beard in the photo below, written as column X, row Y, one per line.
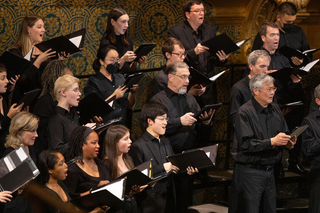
column 181, row 126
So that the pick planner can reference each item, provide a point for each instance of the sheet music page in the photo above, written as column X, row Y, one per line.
column 240, row 43
column 115, row 188
column 307, row 51
column 208, row 154
column 76, row 40
column 28, row 56
column 310, row 65
column 21, row 154
column 215, row 77
column 145, row 172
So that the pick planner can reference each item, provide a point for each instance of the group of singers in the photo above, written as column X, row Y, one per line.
column 50, row 131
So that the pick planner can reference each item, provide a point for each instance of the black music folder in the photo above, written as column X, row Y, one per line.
column 197, row 158
column 29, row 97
column 14, row 64
column 12, row 166
column 298, row 130
column 287, row 71
column 133, row 79
column 143, row 50
column 108, row 194
column 290, row 52
column 93, row 105
column 207, row 108
column 69, row 44
column 223, row 42
column 199, row 78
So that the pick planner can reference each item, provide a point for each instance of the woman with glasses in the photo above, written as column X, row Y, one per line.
column 108, row 83
column 22, row 132
column 65, row 119
column 116, row 34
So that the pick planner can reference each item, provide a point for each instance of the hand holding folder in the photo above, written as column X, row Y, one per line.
column 197, row 158
column 68, row 44
column 223, row 42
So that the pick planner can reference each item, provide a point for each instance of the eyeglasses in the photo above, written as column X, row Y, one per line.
column 271, row 89
column 184, row 77
column 183, row 55
column 199, row 11
column 163, row 119
column 113, row 60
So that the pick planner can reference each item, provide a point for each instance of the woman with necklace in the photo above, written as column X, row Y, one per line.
column 88, row 172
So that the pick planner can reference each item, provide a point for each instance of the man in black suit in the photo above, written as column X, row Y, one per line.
column 192, row 32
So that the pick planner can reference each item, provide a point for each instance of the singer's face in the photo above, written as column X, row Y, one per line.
column 196, row 14
column 121, row 25
column 261, row 66
column 91, row 148
column 29, row 137
column 36, row 32
column 60, row 169
column 124, row 144
column 3, row 82
column 271, row 40
column 73, row 95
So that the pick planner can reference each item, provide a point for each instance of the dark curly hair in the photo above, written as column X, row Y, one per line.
column 51, row 73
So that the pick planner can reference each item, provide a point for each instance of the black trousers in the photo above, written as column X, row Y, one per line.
column 252, row 191
column 314, row 196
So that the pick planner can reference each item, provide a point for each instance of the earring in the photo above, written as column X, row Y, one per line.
column 29, row 34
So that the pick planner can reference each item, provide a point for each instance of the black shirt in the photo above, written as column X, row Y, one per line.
column 311, row 138
column 121, row 49
column 44, row 108
column 295, row 39
column 239, row 94
column 104, row 87
column 254, row 128
column 181, row 137
column 78, row 181
column 158, row 147
column 160, row 81
column 61, row 124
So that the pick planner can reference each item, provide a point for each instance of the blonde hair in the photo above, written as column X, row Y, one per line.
column 63, row 83
column 23, row 121
column 23, row 39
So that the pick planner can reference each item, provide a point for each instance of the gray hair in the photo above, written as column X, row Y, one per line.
column 317, row 92
column 172, row 68
column 253, row 57
column 257, row 81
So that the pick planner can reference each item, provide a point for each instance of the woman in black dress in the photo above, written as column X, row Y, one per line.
column 88, row 172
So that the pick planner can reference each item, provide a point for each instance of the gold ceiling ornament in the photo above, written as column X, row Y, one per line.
column 298, row 3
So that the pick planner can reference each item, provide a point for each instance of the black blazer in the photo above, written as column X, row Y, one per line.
column 184, row 32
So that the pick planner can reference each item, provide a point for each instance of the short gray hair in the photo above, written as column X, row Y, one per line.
column 253, row 57
column 317, row 92
column 257, row 81
column 172, row 68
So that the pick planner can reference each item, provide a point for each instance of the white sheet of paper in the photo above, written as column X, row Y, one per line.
column 21, row 154
column 294, row 103
column 304, row 52
column 28, row 56
column 76, row 40
column 111, row 103
column 115, row 188
column 240, row 43
column 145, row 172
column 215, row 77
column 208, row 154
column 8, row 164
column 310, row 65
